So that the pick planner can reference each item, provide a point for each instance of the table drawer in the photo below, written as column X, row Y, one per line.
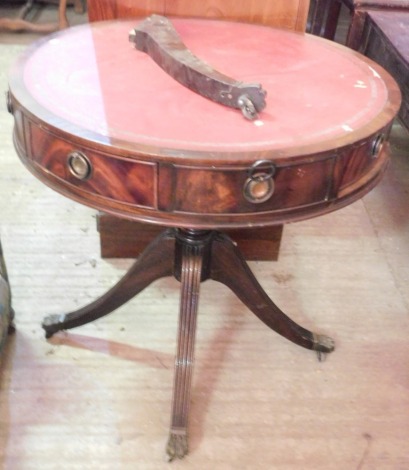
column 115, row 178
column 223, row 190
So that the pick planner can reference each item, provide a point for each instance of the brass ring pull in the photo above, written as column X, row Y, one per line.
column 79, row 165
column 259, row 186
column 265, row 166
column 377, row 145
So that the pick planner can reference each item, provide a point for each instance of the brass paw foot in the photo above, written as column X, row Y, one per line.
column 323, row 345
column 177, row 446
column 52, row 324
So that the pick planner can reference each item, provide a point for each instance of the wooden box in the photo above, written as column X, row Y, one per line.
column 121, row 238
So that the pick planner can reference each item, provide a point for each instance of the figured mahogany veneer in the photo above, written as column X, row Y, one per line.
column 174, row 192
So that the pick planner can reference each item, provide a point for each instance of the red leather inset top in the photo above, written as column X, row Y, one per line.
column 98, row 82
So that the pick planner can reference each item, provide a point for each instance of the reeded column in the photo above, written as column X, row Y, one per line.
column 191, row 257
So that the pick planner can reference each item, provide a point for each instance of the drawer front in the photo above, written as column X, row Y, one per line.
column 118, row 179
column 223, row 191
column 201, row 195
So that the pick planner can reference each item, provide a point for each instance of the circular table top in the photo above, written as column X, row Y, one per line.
column 91, row 82
column 152, row 150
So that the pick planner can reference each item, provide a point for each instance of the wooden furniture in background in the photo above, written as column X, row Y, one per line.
column 116, row 236
column 289, row 14
column 324, row 16
column 360, row 8
column 385, row 39
column 20, row 23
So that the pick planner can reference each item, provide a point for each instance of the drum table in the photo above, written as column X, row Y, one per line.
column 99, row 121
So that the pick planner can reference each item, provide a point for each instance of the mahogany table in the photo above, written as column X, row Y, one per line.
column 100, row 122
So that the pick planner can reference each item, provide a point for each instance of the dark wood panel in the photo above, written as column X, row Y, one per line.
column 386, row 40
column 122, row 238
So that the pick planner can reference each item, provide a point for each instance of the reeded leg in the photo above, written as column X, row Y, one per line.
column 192, row 256
column 229, row 267
column 155, row 262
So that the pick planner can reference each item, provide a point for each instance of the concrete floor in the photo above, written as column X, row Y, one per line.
column 98, row 397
